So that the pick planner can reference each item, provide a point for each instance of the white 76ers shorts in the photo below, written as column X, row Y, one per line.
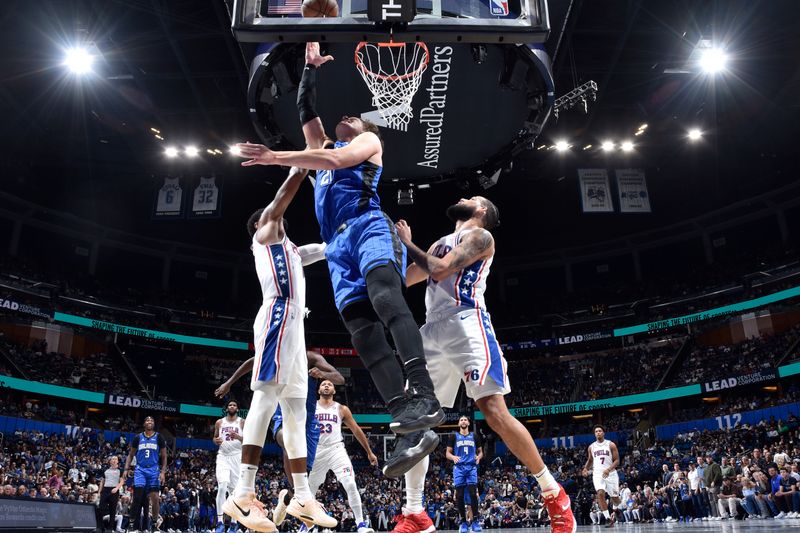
column 461, row 346
column 228, row 467
column 609, row 484
column 280, row 349
column 330, row 458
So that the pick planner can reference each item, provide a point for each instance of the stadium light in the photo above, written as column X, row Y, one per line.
column 626, row 146
column 235, row 151
column 171, row 151
column 562, row 146
column 713, row 60
column 79, row 60
column 191, row 151
column 695, row 134
column 607, row 146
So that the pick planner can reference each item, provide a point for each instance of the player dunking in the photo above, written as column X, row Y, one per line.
column 318, row 368
column 280, row 366
column 465, row 450
column 150, row 450
column 228, row 436
column 331, row 454
column 460, row 344
column 603, row 461
column 366, row 263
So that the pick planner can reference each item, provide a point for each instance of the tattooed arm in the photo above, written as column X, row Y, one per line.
column 476, row 244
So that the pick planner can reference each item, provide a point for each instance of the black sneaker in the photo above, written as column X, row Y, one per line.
column 410, row 449
column 422, row 411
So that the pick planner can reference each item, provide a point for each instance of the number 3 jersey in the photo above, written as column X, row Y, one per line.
column 329, row 420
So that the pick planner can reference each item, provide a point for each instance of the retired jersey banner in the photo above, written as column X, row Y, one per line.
column 205, row 199
column 632, row 190
column 595, row 191
column 169, row 199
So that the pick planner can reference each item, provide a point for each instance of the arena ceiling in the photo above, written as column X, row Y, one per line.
column 87, row 145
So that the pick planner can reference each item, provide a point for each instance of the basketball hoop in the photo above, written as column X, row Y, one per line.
column 392, row 72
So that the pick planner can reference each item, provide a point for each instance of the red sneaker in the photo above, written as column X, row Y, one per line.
column 559, row 508
column 421, row 521
column 404, row 525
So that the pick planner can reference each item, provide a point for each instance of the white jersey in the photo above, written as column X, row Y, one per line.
column 464, row 288
column 280, row 272
column 601, row 457
column 227, row 429
column 330, row 424
column 169, row 197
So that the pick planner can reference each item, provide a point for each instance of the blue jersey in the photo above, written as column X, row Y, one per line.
column 345, row 193
column 464, row 448
column 148, row 450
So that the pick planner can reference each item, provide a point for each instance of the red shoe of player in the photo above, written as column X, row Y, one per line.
column 422, row 522
column 559, row 508
column 404, row 525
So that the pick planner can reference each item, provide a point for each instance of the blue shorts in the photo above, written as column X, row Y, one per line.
column 368, row 241
column 467, row 475
column 147, row 478
column 312, row 435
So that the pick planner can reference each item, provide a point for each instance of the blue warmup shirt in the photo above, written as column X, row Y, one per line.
column 345, row 193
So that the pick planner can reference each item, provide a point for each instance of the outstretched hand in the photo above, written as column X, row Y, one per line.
column 313, row 56
column 222, row 390
column 403, row 231
column 256, row 154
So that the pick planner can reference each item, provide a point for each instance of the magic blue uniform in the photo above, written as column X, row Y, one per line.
column 359, row 235
column 312, row 428
column 148, row 460
column 465, row 471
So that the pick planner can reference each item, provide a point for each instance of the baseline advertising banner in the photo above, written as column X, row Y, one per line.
column 595, row 190
column 557, row 341
column 768, row 374
column 632, row 191
column 729, row 421
column 13, row 305
column 143, row 403
column 24, row 514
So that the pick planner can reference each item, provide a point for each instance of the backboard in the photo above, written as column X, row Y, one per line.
column 436, row 21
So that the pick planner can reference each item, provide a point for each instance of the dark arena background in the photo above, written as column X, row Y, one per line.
column 646, row 278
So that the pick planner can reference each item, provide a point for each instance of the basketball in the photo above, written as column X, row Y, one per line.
column 320, row 8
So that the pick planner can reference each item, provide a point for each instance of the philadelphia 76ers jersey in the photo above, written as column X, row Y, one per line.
column 329, row 420
column 345, row 193
column 601, row 456
column 227, row 432
column 464, row 288
column 280, row 272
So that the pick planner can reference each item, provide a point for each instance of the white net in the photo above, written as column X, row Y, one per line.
column 392, row 72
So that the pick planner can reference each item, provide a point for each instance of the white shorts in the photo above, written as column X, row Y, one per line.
column 228, row 467
column 280, row 350
column 462, row 347
column 609, row 484
column 333, row 458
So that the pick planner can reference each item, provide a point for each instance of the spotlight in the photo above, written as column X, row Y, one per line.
column 587, row 146
column 607, row 146
column 171, row 151
column 159, row 137
column 713, row 60
column 643, row 127
column 234, row 150
column 626, row 146
column 562, row 146
column 79, row 60
column 191, row 151
column 694, row 134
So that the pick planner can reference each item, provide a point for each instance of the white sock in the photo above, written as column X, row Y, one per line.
column 546, row 481
column 301, row 489
column 247, row 480
column 607, row 514
column 415, row 486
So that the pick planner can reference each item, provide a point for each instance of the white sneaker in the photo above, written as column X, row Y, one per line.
column 311, row 512
column 249, row 512
column 279, row 513
column 780, row 515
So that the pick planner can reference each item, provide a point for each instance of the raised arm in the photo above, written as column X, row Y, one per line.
column 350, row 422
column 313, row 131
column 319, row 368
column 271, row 222
column 243, row 369
column 476, row 244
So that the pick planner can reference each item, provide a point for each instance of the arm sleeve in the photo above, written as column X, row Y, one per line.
column 307, row 95
column 478, row 441
column 161, row 442
column 311, row 253
column 135, row 443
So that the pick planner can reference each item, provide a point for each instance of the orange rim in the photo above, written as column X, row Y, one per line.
column 392, row 44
